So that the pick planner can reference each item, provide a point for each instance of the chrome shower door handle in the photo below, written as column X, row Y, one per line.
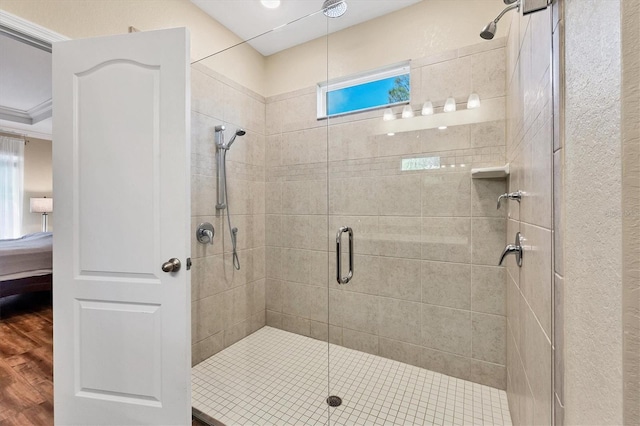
column 339, row 277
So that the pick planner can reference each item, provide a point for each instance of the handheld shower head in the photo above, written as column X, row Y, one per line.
column 239, row 132
column 489, row 31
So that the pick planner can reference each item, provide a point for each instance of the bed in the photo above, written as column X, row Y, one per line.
column 26, row 264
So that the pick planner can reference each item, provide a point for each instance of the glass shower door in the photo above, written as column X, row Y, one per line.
column 260, row 332
column 422, row 320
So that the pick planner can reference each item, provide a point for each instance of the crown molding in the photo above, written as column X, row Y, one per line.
column 18, row 25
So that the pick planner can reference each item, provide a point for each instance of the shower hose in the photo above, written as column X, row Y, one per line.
column 233, row 232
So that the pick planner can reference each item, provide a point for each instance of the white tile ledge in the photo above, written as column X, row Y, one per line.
column 490, row 172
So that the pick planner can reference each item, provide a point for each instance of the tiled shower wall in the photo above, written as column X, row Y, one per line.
column 631, row 208
column 227, row 305
column 426, row 290
column 530, row 144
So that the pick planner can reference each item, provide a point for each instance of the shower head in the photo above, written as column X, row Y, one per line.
column 334, row 8
column 239, row 132
column 489, row 31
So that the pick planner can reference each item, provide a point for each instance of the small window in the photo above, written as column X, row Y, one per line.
column 375, row 89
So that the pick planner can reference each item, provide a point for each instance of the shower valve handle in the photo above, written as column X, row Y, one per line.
column 205, row 233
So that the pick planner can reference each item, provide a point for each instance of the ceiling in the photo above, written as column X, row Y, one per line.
column 248, row 18
column 25, row 86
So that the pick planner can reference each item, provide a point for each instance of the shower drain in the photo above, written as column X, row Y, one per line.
column 334, row 401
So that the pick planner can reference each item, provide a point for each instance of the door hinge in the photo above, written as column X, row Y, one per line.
column 188, row 263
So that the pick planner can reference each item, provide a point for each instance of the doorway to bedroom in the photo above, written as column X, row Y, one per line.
column 26, row 225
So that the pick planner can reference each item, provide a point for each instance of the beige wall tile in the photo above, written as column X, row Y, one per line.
column 444, row 79
column 400, row 351
column 296, row 325
column 446, row 284
column 484, row 197
column 352, row 140
column 446, row 239
column 446, row 363
column 235, row 333
column 451, row 138
column 399, row 278
column 536, row 274
column 273, row 295
column 488, row 240
column 537, row 362
column 446, row 194
column 300, row 113
column 399, row 320
column 360, row 341
column 360, row 312
column 396, row 236
column 558, row 338
column 273, row 150
column 488, row 74
column 491, row 133
column 274, row 319
column 273, row 262
column 353, row 196
column 205, row 317
column 488, row 290
column 206, row 93
column 304, row 197
column 488, row 338
column 319, row 330
column 446, row 329
column 398, row 195
column 207, row 348
column 488, row 374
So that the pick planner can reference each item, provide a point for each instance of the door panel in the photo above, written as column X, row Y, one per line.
column 121, row 183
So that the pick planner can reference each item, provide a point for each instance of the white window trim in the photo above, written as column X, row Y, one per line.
column 388, row 71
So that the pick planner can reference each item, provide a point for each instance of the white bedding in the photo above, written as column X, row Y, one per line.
column 30, row 255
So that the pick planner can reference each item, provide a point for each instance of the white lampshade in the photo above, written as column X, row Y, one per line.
column 473, row 101
column 270, row 4
column 388, row 115
column 427, row 108
column 407, row 112
column 450, row 105
column 41, row 205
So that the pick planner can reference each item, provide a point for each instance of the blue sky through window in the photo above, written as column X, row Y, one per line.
column 367, row 95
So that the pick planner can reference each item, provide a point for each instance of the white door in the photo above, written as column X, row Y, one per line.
column 122, row 341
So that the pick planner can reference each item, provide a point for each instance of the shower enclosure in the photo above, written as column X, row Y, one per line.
column 369, row 253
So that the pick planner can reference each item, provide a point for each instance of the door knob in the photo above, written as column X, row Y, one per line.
column 172, row 265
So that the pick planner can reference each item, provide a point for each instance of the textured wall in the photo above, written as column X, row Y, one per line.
column 93, row 18
column 631, row 208
column 592, row 197
column 420, row 30
column 530, row 152
column 427, row 290
column 226, row 304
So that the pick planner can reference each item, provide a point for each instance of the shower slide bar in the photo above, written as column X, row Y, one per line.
column 347, row 278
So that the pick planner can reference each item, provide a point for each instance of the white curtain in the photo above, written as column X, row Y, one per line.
column 11, row 186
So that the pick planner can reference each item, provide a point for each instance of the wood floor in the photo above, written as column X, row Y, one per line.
column 26, row 360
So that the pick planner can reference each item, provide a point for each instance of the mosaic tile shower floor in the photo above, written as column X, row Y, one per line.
column 273, row 377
